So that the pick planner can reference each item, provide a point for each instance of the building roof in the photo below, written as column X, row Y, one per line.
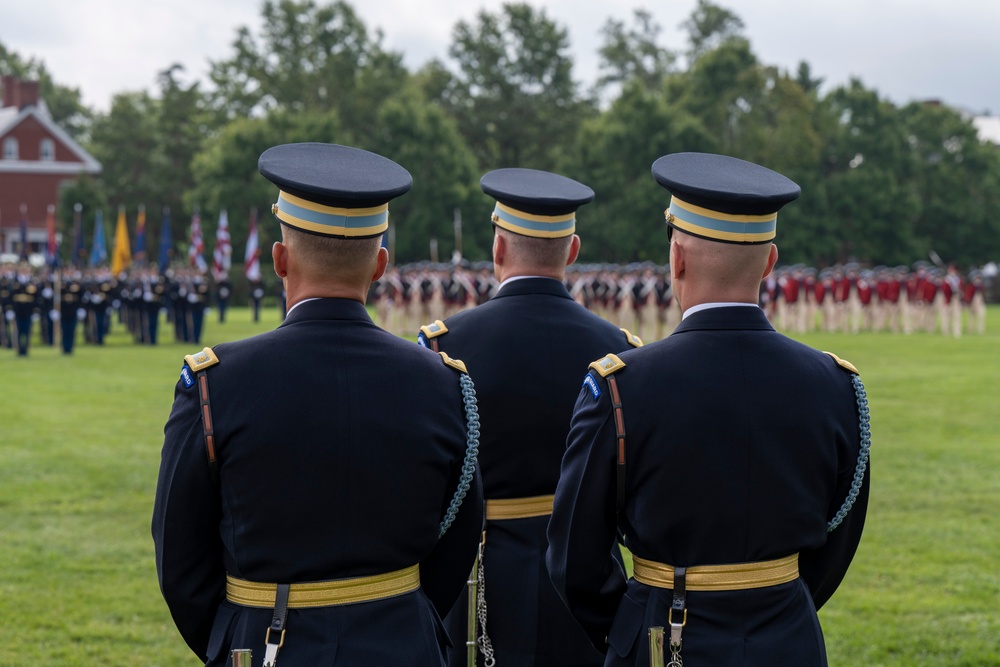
column 11, row 117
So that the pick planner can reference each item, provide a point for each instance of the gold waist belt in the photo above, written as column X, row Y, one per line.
column 325, row 593
column 738, row 577
column 518, row 508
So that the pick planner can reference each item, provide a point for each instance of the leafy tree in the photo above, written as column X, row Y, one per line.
column 709, row 27
column 64, row 103
column 633, row 53
column 425, row 140
column 514, row 96
column 625, row 222
column 307, row 57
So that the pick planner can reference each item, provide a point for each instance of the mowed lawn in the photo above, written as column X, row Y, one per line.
column 80, row 440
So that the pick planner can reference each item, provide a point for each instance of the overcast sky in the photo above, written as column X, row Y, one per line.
column 905, row 49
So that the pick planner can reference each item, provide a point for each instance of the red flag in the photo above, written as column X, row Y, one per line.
column 196, row 251
column 251, row 258
column 222, row 255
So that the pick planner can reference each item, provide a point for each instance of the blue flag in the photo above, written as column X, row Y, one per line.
column 140, row 235
column 166, row 241
column 99, row 250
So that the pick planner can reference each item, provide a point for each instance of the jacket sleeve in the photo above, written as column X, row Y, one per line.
column 824, row 568
column 583, row 531
column 444, row 573
column 185, row 526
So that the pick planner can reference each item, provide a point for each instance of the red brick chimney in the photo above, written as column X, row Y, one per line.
column 17, row 93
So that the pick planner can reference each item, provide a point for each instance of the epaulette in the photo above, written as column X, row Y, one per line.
column 843, row 363
column 201, row 360
column 434, row 330
column 608, row 365
column 457, row 364
column 632, row 339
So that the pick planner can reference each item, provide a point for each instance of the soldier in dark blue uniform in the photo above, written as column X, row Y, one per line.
column 527, row 348
column 26, row 300
column 736, row 507
column 311, row 511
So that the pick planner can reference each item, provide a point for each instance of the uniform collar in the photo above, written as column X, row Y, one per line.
column 327, row 309
column 532, row 285
column 725, row 317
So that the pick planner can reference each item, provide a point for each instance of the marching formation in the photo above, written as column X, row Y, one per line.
column 638, row 297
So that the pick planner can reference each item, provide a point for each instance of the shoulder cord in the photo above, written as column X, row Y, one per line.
column 616, row 406
column 864, row 420
column 471, row 452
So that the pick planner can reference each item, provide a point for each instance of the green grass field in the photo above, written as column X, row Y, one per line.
column 80, row 442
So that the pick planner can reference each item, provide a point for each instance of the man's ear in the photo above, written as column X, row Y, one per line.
column 772, row 259
column 279, row 255
column 499, row 249
column 381, row 262
column 676, row 261
column 574, row 250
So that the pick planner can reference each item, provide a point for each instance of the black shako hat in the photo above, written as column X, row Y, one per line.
column 723, row 198
column 535, row 203
column 333, row 190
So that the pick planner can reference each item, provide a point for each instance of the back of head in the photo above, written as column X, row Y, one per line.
column 333, row 206
column 535, row 213
column 726, row 211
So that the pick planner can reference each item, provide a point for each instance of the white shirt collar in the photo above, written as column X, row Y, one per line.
column 721, row 304
column 312, row 298
column 510, row 280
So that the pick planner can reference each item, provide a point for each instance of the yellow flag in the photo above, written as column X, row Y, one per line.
column 121, row 257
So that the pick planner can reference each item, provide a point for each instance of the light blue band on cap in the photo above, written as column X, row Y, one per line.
column 528, row 224
column 722, row 226
column 330, row 220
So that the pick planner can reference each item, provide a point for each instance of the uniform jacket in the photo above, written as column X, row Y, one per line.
column 339, row 447
column 741, row 445
column 526, row 349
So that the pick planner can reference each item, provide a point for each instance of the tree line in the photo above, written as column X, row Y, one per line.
column 881, row 183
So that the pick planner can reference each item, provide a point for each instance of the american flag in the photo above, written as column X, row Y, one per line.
column 251, row 258
column 196, row 252
column 223, row 253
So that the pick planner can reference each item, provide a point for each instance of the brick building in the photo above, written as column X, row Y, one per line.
column 36, row 159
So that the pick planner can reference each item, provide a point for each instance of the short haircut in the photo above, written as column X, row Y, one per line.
column 330, row 255
column 534, row 251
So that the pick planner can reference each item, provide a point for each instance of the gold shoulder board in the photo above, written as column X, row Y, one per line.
column 632, row 339
column 457, row 364
column 201, row 360
column 434, row 330
column 843, row 363
column 608, row 365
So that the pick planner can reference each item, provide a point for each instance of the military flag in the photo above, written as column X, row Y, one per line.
column 166, row 241
column 121, row 256
column 222, row 256
column 140, row 235
column 79, row 252
column 51, row 251
column 196, row 250
column 99, row 249
column 251, row 258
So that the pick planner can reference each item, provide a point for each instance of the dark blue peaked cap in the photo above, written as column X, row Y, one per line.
column 535, row 203
column 333, row 190
column 723, row 198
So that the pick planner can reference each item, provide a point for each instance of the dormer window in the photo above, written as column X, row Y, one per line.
column 10, row 148
column 47, row 150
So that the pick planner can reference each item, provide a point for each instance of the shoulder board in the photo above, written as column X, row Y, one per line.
column 434, row 330
column 201, row 360
column 457, row 364
column 608, row 365
column 632, row 339
column 843, row 363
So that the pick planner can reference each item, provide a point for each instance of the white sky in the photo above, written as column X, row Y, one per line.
column 905, row 49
